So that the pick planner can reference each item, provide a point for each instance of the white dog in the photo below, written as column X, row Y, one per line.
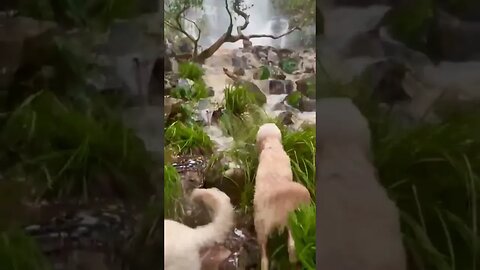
column 182, row 243
column 358, row 225
column 276, row 194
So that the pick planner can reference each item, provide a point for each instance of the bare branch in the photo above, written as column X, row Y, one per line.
column 195, row 42
column 272, row 36
column 245, row 16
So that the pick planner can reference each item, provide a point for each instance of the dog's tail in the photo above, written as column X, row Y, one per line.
column 223, row 219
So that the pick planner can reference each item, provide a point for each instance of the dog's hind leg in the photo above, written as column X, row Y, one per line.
column 292, row 256
column 264, row 262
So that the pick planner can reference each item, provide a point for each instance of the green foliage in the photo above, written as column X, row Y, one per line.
column 431, row 171
column 188, row 138
column 190, row 70
column 288, row 65
column 196, row 92
column 294, row 98
column 300, row 146
column 19, row 252
column 238, row 99
column 172, row 191
column 300, row 12
column 265, row 73
column 303, row 226
column 69, row 153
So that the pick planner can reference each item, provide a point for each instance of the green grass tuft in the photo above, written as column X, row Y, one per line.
column 172, row 191
column 239, row 99
column 188, row 139
column 20, row 252
column 303, row 224
column 190, row 70
column 67, row 153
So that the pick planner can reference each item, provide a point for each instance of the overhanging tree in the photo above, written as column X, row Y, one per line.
column 175, row 13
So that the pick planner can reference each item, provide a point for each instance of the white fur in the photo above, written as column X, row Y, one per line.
column 276, row 194
column 182, row 243
column 358, row 225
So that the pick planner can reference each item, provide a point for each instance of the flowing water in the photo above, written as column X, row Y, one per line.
column 214, row 21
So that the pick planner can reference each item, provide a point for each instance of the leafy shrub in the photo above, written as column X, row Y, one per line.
column 196, row 92
column 172, row 191
column 238, row 99
column 190, row 70
column 188, row 138
column 20, row 252
column 303, row 226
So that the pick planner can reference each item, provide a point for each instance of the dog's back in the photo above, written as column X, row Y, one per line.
column 182, row 243
column 358, row 225
column 276, row 194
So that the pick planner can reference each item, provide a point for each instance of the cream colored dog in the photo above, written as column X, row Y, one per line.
column 182, row 243
column 358, row 225
column 276, row 194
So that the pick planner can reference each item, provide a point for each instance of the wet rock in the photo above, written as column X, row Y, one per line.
column 213, row 257
column 232, row 183
column 284, row 53
column 239, row 61
column 260, row 52
column 238, row 71
column 13, row 33
column 171, row 105
column 307, row 105
column 247, row 44
column 253, row 88
column 286, row 118
column 85, row 237
column 279, row 87
column 386, row 80
column 306, row 86
column 272, row 57
column 170, row 81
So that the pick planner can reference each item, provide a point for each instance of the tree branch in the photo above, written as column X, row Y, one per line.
column 245, row 16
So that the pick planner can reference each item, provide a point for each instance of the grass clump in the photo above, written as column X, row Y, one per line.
column 238, row 99
column 188, row 139
column 190, row 70
column 20, row 252
column 431, row 172
column 67, row 153
column 303, row 224
column 194, row 92
column 172, row 191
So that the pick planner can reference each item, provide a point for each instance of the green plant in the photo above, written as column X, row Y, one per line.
column 431, row 172
column 238, row 99
column 188, row 138
column 20, row 252
column 265, row 73
column 69, row 153
column 172, row 191
column 190, row 70
column 196, row 92
column 288, row 65
column 294, row 99
column 303, row 227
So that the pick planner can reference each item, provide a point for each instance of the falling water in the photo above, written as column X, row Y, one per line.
column 214, row 17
